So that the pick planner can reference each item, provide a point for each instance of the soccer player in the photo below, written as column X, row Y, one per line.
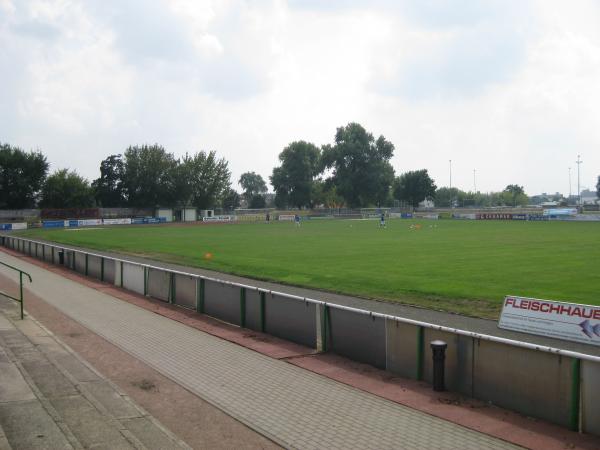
column 382, row 221
column 297, row 220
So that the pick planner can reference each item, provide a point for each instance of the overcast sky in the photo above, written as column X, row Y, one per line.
column 510, row 89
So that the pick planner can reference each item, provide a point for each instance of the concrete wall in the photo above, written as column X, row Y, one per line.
column 185, row 291
column 159, row 284
column 534, row 383
column 291, row 319
column 357, row 336
column 590, row 397
column 133, row 278
column 222, row 301
column 402, row 348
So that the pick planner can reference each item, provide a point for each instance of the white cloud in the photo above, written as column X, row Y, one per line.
column 507, row 88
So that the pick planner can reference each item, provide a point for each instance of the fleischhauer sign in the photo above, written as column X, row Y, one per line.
column 568, row 321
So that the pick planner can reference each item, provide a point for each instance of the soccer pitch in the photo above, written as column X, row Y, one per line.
column 460, row 266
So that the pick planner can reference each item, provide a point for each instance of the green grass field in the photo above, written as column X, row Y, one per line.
column 460, row 266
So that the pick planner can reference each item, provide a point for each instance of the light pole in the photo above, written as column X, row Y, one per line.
column 578, row 162
column 474, row 183
column 451, row 199
column 569, row 183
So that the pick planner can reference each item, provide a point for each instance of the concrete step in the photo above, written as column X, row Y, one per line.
column 51, row 398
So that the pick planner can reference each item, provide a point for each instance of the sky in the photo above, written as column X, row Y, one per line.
column 507, row 90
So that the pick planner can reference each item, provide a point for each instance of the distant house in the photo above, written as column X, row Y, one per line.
column 589, row 197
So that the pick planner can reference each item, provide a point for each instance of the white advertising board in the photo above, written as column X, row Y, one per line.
column 286, row 217
column 560, row 320
column 19, row 226
column 89, row 222
column 117, row 221
column 218, row 219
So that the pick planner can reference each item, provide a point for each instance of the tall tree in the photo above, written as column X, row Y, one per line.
column 66, row 189
column 202, row 180
column 414, row 187
column 514, row 195
column 231, row 200
column 149, row 176
column 294, row 180
column 598, row 187
column 253, row 185
column 22, row 175
column 109, row 189
column 362, row 173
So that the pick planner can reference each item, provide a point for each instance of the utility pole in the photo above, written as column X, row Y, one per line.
column 474, row 183
column 578, row 162
column 451, row 199
column 569, row 183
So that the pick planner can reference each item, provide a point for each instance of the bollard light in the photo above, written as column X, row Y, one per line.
column 439, row 356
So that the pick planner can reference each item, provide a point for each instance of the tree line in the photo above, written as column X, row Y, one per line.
column 354, row 171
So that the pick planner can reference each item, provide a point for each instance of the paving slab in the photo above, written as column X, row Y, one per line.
column 28, row 426
column 50, row 398
column 13, row 387
column 294, row 407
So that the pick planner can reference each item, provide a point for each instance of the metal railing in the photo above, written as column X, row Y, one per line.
column 20, row 299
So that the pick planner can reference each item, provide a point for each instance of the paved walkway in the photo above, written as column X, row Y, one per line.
column 51, row 399
column 292, row 406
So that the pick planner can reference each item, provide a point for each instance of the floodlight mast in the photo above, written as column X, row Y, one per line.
column 578, row 162
column 569, row 183
column 451, row 199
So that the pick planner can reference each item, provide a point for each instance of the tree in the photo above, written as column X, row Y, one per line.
column 22, row 175
column 294, row 180
column 231, row 200
column 446, row 197
column 202, row 180
column 253, row 185
column 65, row 189
column 149, row 176
column 598, row 187
column 514, row 195
column 257, row 202
column 362, row 173
column 414, row 187
column 109, row 189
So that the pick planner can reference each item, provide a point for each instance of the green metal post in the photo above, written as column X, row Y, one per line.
column 43, row 252
column 200, row 299
column 145, row 281
column 21, row 292
column 243, row 307
column 53, row 255
column 263, row 324
column 324, row 328
column 575, row 393
column 420, row 352
column 86, row 264
column 172, row 289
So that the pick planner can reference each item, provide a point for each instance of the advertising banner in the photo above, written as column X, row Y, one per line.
column 560, row 320
column 89, row 222
column 53, row 224
column 537, row 217
column 519, row 217
column 19, row 226
column 494, row 216
column 5, row 226
column 560, row 212
column 117, row 221
column 219, row 219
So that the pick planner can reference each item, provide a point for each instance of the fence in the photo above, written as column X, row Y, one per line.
column 556, row 385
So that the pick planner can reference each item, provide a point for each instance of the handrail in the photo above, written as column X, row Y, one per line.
column 472, row 334
column 20, row 299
